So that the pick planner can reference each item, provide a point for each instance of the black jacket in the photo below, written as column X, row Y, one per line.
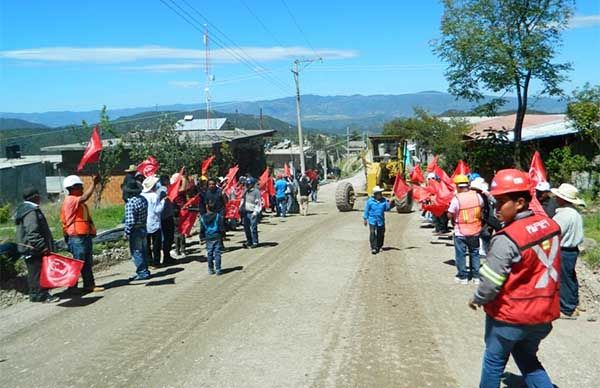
column 33, row 233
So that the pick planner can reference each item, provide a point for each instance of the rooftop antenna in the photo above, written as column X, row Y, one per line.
column 209, row 76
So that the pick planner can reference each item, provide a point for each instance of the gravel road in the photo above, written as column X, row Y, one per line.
column 310, row 308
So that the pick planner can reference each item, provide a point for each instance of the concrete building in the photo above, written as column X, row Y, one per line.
column 29, row 170
column 286, row 152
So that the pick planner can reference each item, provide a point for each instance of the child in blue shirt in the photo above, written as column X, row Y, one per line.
column 374, row 216
column 214, row 229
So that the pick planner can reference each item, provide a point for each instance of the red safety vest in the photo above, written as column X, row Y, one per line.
column 81, row 224
column 530, row 293
column 468, row 219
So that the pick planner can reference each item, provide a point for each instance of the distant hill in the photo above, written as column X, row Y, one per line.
column 329, row 113
column 10, row 123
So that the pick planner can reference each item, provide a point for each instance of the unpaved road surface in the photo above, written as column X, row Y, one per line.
column 310, row 308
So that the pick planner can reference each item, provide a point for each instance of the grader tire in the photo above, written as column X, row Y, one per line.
column 344, row 197
column 405, row 205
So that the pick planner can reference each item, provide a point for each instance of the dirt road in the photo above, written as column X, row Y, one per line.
column 310, row 308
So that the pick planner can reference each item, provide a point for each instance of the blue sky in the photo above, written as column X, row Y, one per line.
column 81, row 54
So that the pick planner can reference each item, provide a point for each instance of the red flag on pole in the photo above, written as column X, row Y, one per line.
column 443, row 176
column 537, row 171
column 173, row 190
column 188, row 218
column 148, row 167
column 59, row 271
column 400, row 189
column 263, row 181
column 433, row 164
column 462, row 168
column 206, row 164
column 286, row 170
column 92, row 150
column 420, row 193
column 417, row 175
column 230, row 178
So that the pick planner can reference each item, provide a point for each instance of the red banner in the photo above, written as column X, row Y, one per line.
column 59, row 271
column 417, row 175
column 263, row 181
column 443, row 176
column 286, row 170
column 462, row 168
column 420, row 194
column 433, row 164
column 188, row 218
column 537, row 171
column 232, row 209
column 148, row 167
column 230, row 177
column 400, row 189
column 173, row 190
column 92, row 150
column 206, row 164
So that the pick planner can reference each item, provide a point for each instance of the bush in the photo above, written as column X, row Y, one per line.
column 592, row 258
column 4, row 213
column 562, row 163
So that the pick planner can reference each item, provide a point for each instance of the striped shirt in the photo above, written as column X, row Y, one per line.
column 136, row 212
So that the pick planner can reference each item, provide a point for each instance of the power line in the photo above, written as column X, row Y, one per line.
column 258, row 19
column 241, row 56
column 289, row 11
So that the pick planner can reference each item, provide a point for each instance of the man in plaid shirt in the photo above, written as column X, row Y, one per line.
column 136, row 212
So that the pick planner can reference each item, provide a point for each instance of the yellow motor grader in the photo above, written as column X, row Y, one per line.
column 382, row 161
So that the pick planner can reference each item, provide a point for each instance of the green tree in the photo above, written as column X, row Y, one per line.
column 584, row 111
column 562, row 163
column 502, row 46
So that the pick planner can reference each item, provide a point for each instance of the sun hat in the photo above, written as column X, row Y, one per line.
column 149, row 183
column 569, row 193
column 131, row 168
column 377, row 189
column 543, row 186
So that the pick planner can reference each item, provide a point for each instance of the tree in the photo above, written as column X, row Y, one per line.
column 502, row 46
column 584, row 111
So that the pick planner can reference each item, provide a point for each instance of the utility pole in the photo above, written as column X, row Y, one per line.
column 348, row 142
column 261, row 120
column 296, row 72
column 209, row 77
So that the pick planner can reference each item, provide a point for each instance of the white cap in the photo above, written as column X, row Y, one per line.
column 431, row 175
column 377, row 189
column 479, row 184
column 543, row 186
column 71, row 181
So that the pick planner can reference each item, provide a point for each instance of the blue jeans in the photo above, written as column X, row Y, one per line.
column 462, row 245
column 81, row 248
column 569, row 285
column 138, row 247
column 522, row 341
column 213, row 255
column 282, row 206
column 313, row 195
column 251, row 228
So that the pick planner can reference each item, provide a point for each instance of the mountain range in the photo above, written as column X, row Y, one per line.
column 327, row 113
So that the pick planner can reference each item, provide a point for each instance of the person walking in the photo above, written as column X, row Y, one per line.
column 250, row 208
column 314, row 189
column 34, row 240
column 178, row 204
column 465, row 212
column 304, row 189
column 78, row 227
column 214, row 195
column 167, row 221
column 214, row 230
column 571, row 226
column 519, row 284
column 280, row 196
column 289, row 194
column 374, row 217
column 543, row 194
column 156, row 205
column 136, row 215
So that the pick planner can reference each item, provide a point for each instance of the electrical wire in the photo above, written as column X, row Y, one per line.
column 262, row 24
column 289, row 11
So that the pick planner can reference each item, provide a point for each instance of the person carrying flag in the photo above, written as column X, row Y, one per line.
column 519, row 283
column 78, row 227
column 34, row 239
column 374, row 217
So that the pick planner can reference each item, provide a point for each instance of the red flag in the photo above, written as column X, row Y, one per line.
column 148, row 167
column 286, row 170
column 443, row 194
column 537, row 171
column 420, row 193
column 59, row 271
column 443, row 176
column 206, row 164
column 417, row 175
column 433, row 164
column 462, row 168
column 266, row 200
column 232, row 209
column 188, row 218
column 400, row 189
column 92, row 150
column 173, row 190
column 263, row 181
column 230, row 178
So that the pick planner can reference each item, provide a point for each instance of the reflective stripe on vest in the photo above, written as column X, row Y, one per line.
column 80, row 225
column 469, row 213
column 530, row 293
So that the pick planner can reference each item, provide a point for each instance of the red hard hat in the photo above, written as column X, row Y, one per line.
column 510, row 181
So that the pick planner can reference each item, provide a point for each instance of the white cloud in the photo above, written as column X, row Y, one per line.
column 583, row 21
column 186, row 84
column 165, row 67
column 132, row 54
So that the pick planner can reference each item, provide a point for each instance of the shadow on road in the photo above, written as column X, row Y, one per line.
column 164, row 282
column 450, row 262
column 385, row 249
column 225, row 271
column 80, row 302
column 267, row 244
column 167, row 272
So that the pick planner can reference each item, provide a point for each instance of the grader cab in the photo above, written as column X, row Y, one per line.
column 382, row 162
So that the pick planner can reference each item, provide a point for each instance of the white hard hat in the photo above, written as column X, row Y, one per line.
column 543, row 186
column 71, row 181
column 479, row 184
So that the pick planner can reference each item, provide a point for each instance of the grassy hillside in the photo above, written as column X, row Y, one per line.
column 7, row 123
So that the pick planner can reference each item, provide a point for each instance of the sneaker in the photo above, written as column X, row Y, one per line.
column 94, row 289
column 461, row 281
column 373, row 251
column 476, row 281
column 138, row 277
column 211, row 272
column 219, row 273
column 571, row 317
column 253, row 246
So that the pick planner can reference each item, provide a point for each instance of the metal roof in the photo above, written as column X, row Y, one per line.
column 106, row 143
column 200, row 124
column 29, row 159
column 534, row 127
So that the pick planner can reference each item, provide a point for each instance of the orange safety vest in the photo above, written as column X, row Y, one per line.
column 468, row 219
column 80, row 225
column 530, row 294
